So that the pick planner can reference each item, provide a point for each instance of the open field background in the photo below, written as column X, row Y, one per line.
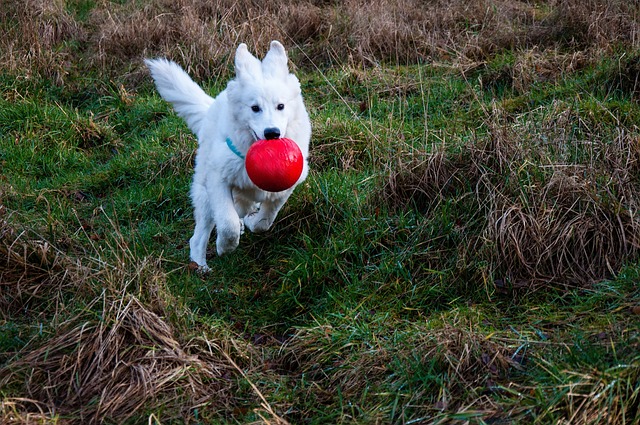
column 465, row 249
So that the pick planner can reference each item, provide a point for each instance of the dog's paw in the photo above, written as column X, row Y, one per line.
column 256, row 223
column 200, row 269
column 204, row 270
column 241, row 226
column 227, row 241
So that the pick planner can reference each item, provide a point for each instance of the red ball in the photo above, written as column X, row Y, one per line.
column 274, row 165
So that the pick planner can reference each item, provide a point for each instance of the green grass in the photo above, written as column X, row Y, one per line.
column 354, row 308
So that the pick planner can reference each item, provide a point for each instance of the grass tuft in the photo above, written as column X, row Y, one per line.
column 547, row 214
column 115, row 364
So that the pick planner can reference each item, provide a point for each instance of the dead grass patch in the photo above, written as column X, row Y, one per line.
column 41, row 36
column 555, row 209
column 595, row 396
column 116, row 365
column 20, row 411
column 533, row 66
column 37, row 33
column 32, row 272
column 600, row 23
column 335, row 362
column 118, row 356
column 476, row 366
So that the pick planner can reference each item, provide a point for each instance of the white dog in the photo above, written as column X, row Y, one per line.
column 263, row 101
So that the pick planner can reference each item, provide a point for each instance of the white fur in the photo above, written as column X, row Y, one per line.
column 223, row 196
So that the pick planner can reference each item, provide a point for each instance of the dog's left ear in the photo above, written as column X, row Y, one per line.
column 275, row 63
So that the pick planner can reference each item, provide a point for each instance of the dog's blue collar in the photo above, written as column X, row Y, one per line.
column 234, row 149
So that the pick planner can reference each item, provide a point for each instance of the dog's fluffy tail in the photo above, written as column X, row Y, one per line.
column 175, row 86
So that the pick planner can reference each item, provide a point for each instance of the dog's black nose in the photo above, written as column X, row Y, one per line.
column 271, row 133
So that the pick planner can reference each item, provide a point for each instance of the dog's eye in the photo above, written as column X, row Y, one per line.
column 255, row 108
column 280, row 106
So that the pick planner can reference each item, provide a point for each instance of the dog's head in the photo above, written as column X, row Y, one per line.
column 264, row 95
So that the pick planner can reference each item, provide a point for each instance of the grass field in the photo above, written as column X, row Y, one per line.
column 465, row 249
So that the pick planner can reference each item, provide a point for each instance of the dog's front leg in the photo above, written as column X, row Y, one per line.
column 262, row 220
column 204, row 225
column 225, row 216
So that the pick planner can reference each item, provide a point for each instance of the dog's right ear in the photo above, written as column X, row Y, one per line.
column 275, row 62
column 247, row 65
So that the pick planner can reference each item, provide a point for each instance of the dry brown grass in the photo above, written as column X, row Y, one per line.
column 344, row 361
column 35, row 33
column 537, row 66
column 119, row 356
column 113, row 366
column 592, row 395
column 544, row 220
column 19, row 411
column 32, row 272
column 201, row 35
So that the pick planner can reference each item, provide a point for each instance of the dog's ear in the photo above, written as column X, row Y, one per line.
column 275, row 62
column 247, row 65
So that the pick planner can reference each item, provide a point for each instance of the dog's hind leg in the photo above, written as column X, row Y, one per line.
column 244, row 206
column 262, row 220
